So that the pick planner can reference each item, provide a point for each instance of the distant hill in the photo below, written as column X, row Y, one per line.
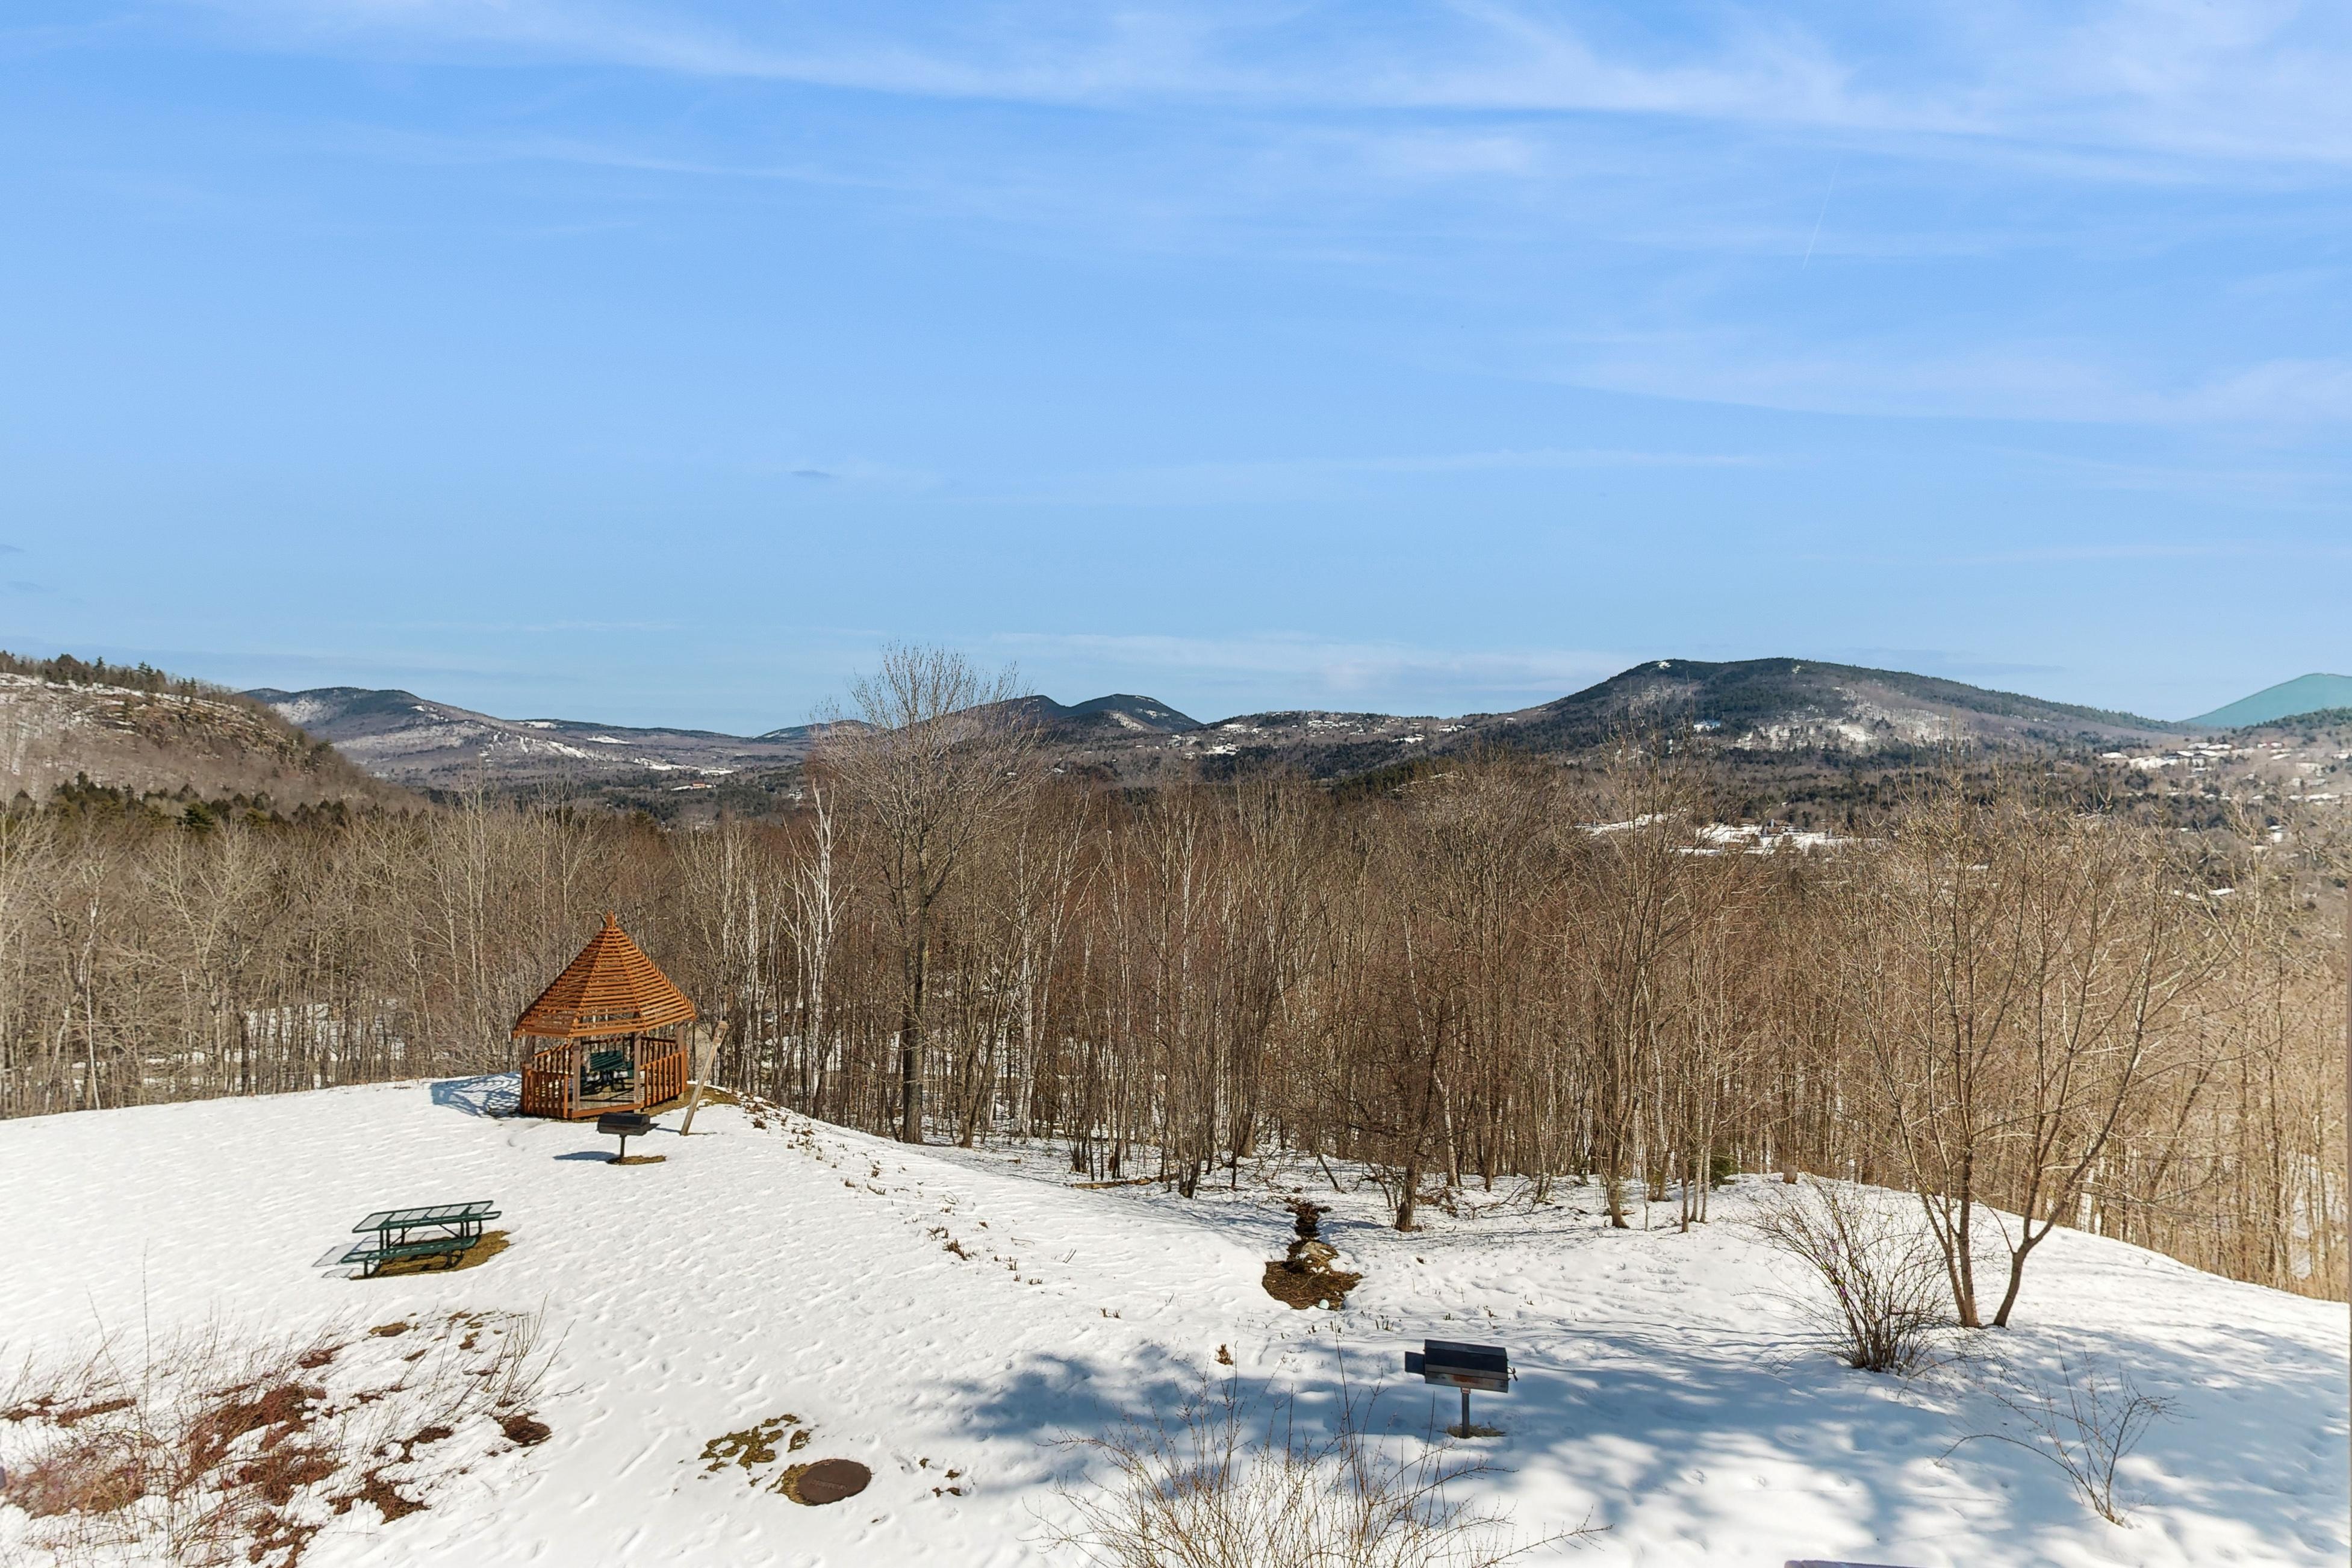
column 399, row 735
column 1119, row 714
column 2304, row 694
column 139, row 730
column 1787, row 704
column 1775, row 719
column 1775, row 714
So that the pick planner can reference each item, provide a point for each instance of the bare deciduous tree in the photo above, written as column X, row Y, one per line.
column 937, row 756
column 2025, row 1008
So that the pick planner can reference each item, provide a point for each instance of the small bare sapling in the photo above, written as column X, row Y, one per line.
column 2085, row 1421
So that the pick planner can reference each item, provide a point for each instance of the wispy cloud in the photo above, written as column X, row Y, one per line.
column 1669, row 162
column 2093, row 552
column 2018, row 382
column 2260, row 79
column 1306, row 478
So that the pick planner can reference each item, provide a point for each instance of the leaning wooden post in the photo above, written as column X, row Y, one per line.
column 706, row 1040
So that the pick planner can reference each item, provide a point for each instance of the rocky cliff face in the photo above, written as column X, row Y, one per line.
column 53, row 732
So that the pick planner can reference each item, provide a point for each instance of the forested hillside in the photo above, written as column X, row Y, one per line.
column 141, row 735
column 1508, row 969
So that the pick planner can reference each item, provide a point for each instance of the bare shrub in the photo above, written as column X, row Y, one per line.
column 2087, row 1421
column 220, row 1445
column 1209, row 1486
column 1881, row 1287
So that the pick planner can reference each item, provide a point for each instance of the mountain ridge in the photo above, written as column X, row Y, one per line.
column 1787, row 708
column 396, row 734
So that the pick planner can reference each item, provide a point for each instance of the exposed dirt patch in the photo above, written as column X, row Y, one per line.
column 1304, row 1288
column 525, row 1431
column 1304, row 1278
column 386, row 1497
column 222, row 1446
column 282, row 1472
column 277, row 1412
column 48, row 1408
column 640, row 1159
column 74, row 1481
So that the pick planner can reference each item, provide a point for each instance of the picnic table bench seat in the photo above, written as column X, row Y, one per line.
column 606, row 1070
column 370, row 1257
column 391, row 1236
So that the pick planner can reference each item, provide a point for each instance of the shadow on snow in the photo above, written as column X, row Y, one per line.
column 485, row 1094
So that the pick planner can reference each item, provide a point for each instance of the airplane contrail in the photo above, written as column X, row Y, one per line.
column 1821, row 215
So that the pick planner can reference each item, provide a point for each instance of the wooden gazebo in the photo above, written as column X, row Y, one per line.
column 609, row 1034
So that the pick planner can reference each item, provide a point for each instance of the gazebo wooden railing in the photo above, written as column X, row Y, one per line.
column 612, row 1024
column 562, row 1081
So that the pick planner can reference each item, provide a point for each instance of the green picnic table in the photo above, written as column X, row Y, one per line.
column 434, row 1230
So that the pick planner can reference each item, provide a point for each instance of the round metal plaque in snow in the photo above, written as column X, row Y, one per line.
column 830, row 1480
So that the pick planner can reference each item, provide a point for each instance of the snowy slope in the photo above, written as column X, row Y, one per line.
column 1666, row 1391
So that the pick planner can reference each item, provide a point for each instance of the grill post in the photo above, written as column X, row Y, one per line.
column 1465, row 1367
column 624, row 1125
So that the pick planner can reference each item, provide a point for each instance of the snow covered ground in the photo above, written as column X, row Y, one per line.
column 1668, row 1390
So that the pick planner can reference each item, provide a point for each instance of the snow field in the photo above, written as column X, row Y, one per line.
column 1668, row 1390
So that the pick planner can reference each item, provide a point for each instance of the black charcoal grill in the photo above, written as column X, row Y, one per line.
column 1463, row 1367
column 624, row 1125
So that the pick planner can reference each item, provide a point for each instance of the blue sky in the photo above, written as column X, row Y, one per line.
column 657, row 362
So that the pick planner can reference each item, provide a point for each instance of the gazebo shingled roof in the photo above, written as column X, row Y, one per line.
column 612, row 988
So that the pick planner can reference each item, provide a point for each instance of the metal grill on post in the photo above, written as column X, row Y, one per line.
column 1463, row 1367
column 624, row 1125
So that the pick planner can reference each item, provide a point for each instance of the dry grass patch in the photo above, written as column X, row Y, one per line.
column 224, row 1443
column 492, row 1243
column 749, row 1448
column 756, row 1449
